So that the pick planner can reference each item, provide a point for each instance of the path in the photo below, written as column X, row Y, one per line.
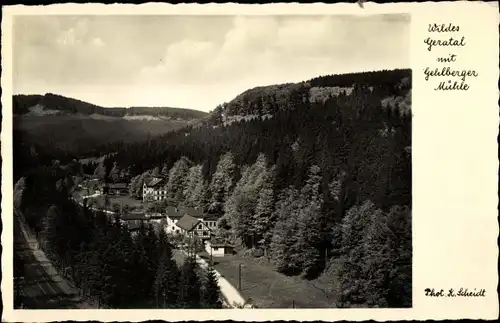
column 230, row 293
column 43, row 286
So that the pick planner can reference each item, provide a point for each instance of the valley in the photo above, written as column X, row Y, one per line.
column 307, row 184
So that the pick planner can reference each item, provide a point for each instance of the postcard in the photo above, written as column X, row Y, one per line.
column 250, row 162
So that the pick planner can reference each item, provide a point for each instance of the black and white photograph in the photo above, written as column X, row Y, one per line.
column 212, row 161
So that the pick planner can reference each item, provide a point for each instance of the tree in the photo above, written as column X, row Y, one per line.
column 222, row 183
column 100, row 170
column 19, row 188
column 310, row 223
column 156, row 172
column 376, row 264
column 177, row 178
column 189, row 290
column 211, row 296
column 165, row 171
column 195, row 187
column 167, row 280
column 51, row 232
column 114, row 173
column 284, row 240
column 240, row 208
column 263, row 217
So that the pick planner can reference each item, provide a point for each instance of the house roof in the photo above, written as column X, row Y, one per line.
column 154, row 182
column 221, row 245
column 210, row 218
column 134, row 225
column 173, row 213
column 192, row 212
column 117, row 185
column 187, row 222
column 134, row 216
column 155, row 215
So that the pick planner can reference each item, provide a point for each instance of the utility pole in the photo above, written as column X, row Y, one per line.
column 326, row 257
column 293, row 304
column 239, row 277
column 211, row 259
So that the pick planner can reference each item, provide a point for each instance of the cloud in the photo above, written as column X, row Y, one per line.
column 195, row 61
column 285, row 47
column 97, row 42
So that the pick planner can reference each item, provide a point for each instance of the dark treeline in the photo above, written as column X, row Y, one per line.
column 100, row 255
column 22, row 103
column 270, row 99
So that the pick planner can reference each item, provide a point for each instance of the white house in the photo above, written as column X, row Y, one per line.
column 172, row 217
column 154, row 190
column 218, row 249
column 193, row 227
column 188, row 221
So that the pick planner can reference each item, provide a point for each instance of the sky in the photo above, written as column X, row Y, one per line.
column 195, row 62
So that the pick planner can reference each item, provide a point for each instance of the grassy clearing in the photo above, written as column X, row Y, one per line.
column 99, row 201
column 126, row 200
column 270, row 289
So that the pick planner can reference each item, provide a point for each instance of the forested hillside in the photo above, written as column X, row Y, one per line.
column 50, row 104
column 314, row 176
column 63, row 124
column 317, row 184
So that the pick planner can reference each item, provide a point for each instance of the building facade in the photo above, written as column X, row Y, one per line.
column 154, row 190
column 218, row 249
column 188, row 222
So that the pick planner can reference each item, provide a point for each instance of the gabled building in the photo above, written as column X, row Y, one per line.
column 173, row 216
column 218, row 249
column 186, row 221
column 193, row 227
column 154, row 190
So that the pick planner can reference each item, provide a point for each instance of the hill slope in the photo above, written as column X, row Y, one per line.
column 391, row 88
column 52, row 104
column 78, row 127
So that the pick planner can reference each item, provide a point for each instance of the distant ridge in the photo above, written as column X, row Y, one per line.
column 392, row 88
column 54, row 104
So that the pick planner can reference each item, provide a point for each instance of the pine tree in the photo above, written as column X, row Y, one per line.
column 51, row 233
column 263, row 217
column 166, row 285
column 19, row 188
column 100, row 170
column 211, row 296
column 190, row 285
column 165, row 171
column 114, row 173
column 156, row 172
column 353, row 280
column 311, row 223
column 134, row 182
column 284, row 240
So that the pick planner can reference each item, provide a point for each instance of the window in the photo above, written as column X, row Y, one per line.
column 215, row 249
column 205, row 233
column 200, row 226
